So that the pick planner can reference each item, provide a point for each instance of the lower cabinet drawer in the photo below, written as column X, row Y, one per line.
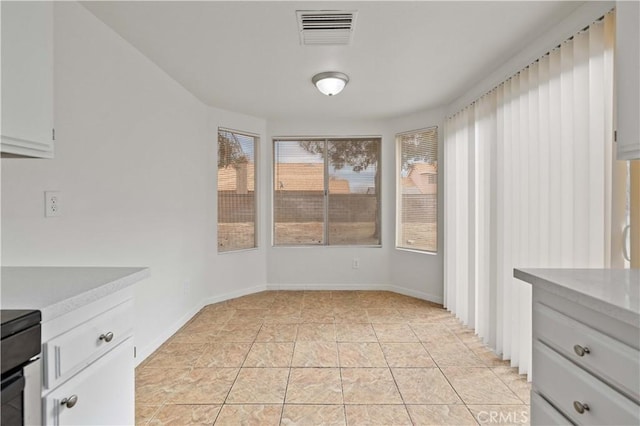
column 569, row 388
column 544, row 414
column 606, row 357
column 68, row 353
column 102, row 394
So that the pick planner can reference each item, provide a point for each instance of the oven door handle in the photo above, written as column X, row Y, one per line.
column 12, row 387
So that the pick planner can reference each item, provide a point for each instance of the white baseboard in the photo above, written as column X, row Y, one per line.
column 143, row 353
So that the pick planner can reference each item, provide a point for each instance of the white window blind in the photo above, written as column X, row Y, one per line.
column 236, row 190
column 326, row 191
column 417, row 190
column 528, row 184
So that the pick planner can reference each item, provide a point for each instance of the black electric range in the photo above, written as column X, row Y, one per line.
column 20, row 361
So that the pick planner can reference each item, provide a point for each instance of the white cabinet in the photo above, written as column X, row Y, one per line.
column 586, row 367
column 628, row 79
column 88, row 366
column 101, row 394
column 27, row 79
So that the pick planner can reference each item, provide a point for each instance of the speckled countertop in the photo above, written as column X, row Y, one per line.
column 614, row 292
column 56, row 291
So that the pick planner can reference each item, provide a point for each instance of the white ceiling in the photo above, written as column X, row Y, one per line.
column 405, row 56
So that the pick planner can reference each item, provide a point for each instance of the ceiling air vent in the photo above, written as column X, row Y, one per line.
column 326, row 27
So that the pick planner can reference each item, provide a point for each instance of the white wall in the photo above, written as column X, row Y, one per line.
column 331, row 267
column 237, row 273
column 135, row 164
column 415, row 273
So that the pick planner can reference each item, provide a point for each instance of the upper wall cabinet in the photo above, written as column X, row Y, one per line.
column 628, row 79
column 27, row 79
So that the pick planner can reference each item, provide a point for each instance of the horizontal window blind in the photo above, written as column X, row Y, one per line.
column 236, row 190
column 326, row 191
column 417, row 154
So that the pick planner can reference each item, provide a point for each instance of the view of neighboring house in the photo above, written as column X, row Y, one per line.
column 307, row 177
column 422, row 179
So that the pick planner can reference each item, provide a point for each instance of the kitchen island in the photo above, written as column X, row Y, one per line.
column 87, row 338
column 586, row 346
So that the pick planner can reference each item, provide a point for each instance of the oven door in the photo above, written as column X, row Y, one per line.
column 12, row 399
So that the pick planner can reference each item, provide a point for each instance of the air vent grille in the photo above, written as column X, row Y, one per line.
column 326, row 27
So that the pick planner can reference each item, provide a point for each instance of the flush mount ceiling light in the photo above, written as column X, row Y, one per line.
column 330, row 83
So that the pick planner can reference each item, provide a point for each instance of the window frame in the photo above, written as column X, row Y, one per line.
column 256, row 191
column 326, row 164
column 398, row 177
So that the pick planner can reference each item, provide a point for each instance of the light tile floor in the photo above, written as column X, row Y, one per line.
column 334, row 358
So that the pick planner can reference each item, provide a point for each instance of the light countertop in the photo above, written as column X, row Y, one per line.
column 56, row 291
column 614, row 292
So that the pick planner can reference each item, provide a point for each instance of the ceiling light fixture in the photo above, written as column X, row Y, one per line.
column 330, row 83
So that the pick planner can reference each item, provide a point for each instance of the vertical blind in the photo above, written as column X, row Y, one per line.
column 417, row 155
column 528, row 184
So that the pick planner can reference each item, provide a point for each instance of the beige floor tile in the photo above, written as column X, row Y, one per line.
column 406, row 355
column 454, row 354
column 441, row 415
column 144, row 413
column 204, row 386
column 384, row 315
column 479, row 385
column 434, row 333
column 252, row 301
column 383, row 415
column 215, row 316
column 155, row 385
column 248, row 316
column 516, row 382
column 350, row 316
column 326, row 415
column 249, row 415
column 245, row 332
column 186, row 415
column 224, row 355
column 176, row 355
column 314, row 386
column 508, row 415
column 424, row 386
column 269, row 355
column 315, row 354
column 489, row 358
column 278, row 333
column 369, row 386
column 394, row 333
column 259, row 386
column 316, row 333
column 355, row 333
column 360, row 354
column 321, row 316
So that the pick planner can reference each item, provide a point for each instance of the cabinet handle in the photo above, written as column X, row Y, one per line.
column 580, row 407
column 107, row 337
column 70, row 402
column 581, row 350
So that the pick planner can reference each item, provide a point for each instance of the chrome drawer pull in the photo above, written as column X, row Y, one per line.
column 580, row 407
column 70, row 402
column 107, row 337
column 581, row 350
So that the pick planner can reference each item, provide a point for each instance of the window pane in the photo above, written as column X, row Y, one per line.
column 353, row 191
column 236, row 191
column 418, row 190
column 298, row 192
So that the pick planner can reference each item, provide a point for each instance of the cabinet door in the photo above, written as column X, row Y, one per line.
column 628, row 79
column 104, row 392
column 27, row 78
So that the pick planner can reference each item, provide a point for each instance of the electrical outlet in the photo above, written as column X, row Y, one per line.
column 51, row 203
column 356, row 263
